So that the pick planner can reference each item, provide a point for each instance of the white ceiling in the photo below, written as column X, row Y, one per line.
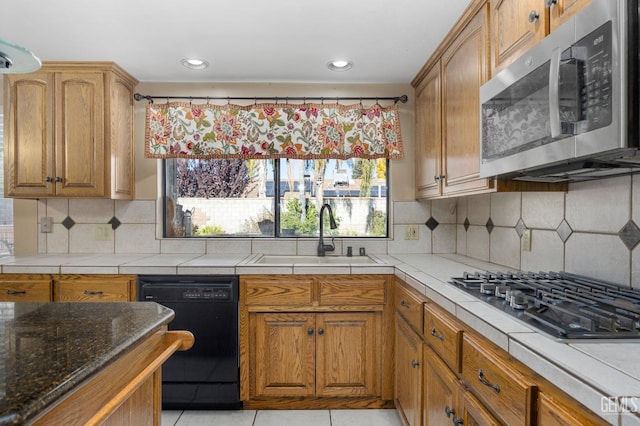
column 244, row 41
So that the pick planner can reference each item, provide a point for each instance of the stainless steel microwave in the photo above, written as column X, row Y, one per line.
column 567, row 110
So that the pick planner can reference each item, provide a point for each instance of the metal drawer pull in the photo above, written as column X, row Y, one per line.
column 449, row 411
column 14, row 293
column 404, row 304
column 457, row 421
column 310, row 331
column 415, row 363
column 484, row 381
column 321, row 331
column 435, row 334
column 93, row 293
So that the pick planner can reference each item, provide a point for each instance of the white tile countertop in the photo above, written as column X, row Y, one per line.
column 594, row 373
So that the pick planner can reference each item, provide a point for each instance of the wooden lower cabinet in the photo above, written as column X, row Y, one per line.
column 24, row 288
column 67, row 288
column 323, row 355
column 446, row 401
column 126, row 391
column 409, row 366
column 447, row 374
column 94, row 288
column 316, row 341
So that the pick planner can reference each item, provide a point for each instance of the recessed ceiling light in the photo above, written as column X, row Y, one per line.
column 340, row 65
column 194, row 63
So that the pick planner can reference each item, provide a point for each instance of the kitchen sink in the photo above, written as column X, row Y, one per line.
column 313, row 260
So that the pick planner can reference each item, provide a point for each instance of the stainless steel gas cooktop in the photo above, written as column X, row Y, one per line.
column 563, row 305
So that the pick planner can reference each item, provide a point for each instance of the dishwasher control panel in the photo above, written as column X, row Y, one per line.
column 207, row 294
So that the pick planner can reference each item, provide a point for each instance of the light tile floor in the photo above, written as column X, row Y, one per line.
column 282, row 418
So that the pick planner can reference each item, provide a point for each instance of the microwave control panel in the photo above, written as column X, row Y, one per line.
column 595, row 51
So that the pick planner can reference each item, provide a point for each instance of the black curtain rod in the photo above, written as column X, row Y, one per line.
column 395, row 99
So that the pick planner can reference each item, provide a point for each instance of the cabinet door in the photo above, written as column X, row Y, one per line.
column 79, row 138
column 347, row 362
column 517, row 26
column 465, row 66
column 429, row 135
column 473, row 412
column 562, row 10
column 29, row 132
column 441, row 390
column 92, row 290
column 283, row 359
column 408, row 373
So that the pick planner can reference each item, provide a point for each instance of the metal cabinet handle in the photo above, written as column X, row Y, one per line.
column 321, row 331
column 449, row 411
column 495, row 387
column 48, row 179
column 93, row 293
column 404, row 304
column 58, row 179
column 434, row 333
column 457, row 421
column 442, row 177
column 415, row 363
column 550, row 3
column 14, row 293
column 436, row 178
column 310, row 331
column 533, row 16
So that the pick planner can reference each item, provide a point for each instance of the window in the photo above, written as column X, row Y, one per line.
column 274, row 198
column 6, row 204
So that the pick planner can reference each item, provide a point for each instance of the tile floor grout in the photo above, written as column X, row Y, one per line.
column 355, row 418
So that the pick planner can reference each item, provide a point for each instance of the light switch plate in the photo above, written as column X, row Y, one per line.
column 411, row 232
column 525, row 241
column 104, row 232
column 46, row 225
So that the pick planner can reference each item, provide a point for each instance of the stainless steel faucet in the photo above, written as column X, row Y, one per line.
column 322, row 247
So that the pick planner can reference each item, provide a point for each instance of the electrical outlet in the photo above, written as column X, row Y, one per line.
column 411, row 232
column 46, row 224
column 525, row 241
column 104, row 232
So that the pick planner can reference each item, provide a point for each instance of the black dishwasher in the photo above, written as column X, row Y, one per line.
column 207, row 375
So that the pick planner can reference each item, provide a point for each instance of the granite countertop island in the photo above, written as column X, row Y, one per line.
column 48, row 349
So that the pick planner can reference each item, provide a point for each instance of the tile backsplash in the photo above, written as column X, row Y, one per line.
column 591, row 230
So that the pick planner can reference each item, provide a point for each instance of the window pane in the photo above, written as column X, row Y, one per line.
column 228, row 197
column 235, row 198
column 356, row 190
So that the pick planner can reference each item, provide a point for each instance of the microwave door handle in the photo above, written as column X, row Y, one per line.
column 554, row 90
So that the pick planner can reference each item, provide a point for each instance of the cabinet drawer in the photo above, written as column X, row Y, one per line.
column 497, row 382
column 25, row 291
column 443, row 335
column 92, row 291
column 409, row 305
column 278, row 290
column 352, row 291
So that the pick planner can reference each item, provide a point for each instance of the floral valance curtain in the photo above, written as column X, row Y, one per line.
column 302, row 131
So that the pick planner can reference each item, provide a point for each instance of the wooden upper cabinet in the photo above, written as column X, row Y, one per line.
column 465, row 67
column 429, row 135
column 517, row 26
column 69, row 132
column 562, row 10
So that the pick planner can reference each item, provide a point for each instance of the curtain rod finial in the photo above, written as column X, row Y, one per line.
column 403, row 99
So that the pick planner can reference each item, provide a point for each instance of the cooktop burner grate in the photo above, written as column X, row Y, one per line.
column 563, row 305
